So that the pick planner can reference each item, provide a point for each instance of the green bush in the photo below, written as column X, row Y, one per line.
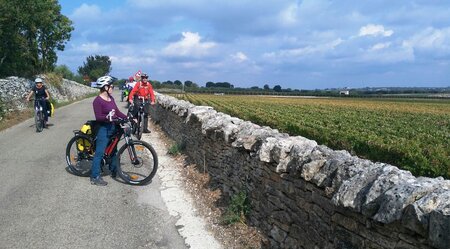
column 55, row 80
column 175, row 149
column 238, row 208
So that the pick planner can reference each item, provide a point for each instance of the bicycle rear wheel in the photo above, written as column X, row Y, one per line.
column 79, row 154
column 139, row 170
column 39, row 121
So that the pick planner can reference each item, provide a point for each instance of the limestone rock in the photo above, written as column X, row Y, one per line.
column 393, row 201
column 353, row 191
column 416, row 215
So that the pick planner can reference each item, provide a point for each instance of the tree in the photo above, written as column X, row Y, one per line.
column 188, row 83
column 178, row 83
column 277, row 88
column 210, row 84
column 224, row 85
column 95, row 67
column 30, row 32
column 156, row 84
column 64, row 71
column 266, row 87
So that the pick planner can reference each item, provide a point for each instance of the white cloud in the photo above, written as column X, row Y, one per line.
column 430, row 39
column 304, row 51
column 125, row 60
column 189, row 45
column 288, row 16
column 239, row 57
column 380, row 46
column 374, row 30
column 86, row 11
column 384, row 55
column 90, row 47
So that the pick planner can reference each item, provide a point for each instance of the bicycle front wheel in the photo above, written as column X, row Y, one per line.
column 79, row 154
column 140, row 126
column 39, row 121
column 138, row 163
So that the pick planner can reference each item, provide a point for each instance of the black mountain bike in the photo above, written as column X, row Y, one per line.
column 124, row 94
column 138, row 127
column 137, row 160
column 39, row 120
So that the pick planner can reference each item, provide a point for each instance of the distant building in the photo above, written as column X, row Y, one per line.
column 219, row 94
column 344, row 92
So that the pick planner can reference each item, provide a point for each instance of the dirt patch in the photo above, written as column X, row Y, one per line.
column 13, row 118
column 210, row 206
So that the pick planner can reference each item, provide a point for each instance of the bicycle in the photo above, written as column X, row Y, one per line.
column 138, row 127
column 39, row 119
column 136, row 167
column 124, row 94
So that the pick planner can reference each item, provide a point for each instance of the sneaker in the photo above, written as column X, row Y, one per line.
column 98, row 181
column 113, row 174
column 127, row 176
column 147, row 131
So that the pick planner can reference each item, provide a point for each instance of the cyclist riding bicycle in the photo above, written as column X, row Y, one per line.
column 141, row 94
column 42, row 96
column 131, row 83
column 105, row 110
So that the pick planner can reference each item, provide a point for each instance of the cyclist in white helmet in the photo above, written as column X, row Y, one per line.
column 105, row 109
column 41, row 94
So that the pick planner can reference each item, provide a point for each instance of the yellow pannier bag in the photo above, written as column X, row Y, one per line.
column 84, row 144
column 52, row 109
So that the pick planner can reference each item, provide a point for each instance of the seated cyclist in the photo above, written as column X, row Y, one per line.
column 142, row 91
column 130, row 84
column 42, row 96
column 105, row 109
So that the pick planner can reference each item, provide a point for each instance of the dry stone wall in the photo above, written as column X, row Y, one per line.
column 305, row 195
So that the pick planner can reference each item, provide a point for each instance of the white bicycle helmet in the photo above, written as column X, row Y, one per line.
column 38, row 80
column 104, row 80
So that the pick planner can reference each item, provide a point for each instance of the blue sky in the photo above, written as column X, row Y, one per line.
column 296, row 44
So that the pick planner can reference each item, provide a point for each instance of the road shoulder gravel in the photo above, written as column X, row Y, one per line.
column 179, row 203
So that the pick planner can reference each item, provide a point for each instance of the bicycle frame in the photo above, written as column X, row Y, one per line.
column 142, row 103
column 114, row 141
column 39, row 114
column 37, row 104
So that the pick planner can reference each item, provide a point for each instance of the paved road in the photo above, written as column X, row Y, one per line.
column 44, row 206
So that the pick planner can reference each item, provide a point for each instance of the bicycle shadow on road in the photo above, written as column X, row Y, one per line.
column 103, row 174
column 48, row 125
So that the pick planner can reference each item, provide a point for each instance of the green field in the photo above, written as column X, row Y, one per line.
column 413, row 134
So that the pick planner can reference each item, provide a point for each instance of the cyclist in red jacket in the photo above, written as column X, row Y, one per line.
column 142, row 91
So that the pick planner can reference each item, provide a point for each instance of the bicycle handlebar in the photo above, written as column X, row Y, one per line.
column 120, row 120
column 42, row 98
